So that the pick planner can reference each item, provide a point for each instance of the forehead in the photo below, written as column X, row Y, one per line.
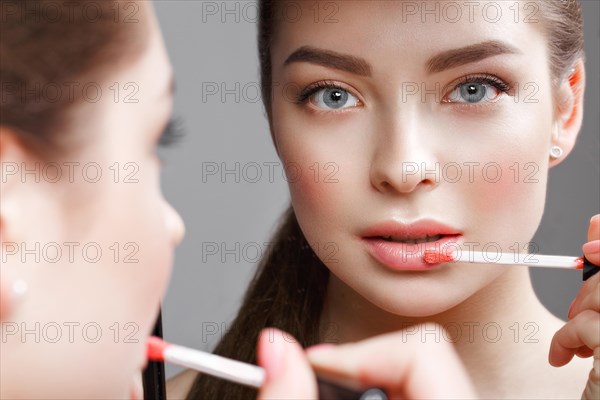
column 397, row 29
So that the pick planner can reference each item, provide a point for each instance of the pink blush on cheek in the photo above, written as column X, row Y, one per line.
column 518, row 196
column 321, row 207
column 305, row 187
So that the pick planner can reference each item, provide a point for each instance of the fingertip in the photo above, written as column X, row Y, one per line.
column 288, row 374
column 552, row 361
column 318, row 355
column 559, row 356
column 591, row 248
column 270, row 352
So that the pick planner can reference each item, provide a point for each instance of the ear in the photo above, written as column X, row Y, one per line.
column 12, row 291
column 569, row 111
column 15, row 156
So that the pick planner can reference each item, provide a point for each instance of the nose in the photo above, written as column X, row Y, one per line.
column 403, row 158
column 174, row 224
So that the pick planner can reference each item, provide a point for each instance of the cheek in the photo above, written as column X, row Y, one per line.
column 149, row 226
column 314, row 200
column 322, row 185
column 137, row 255
column 507, row 186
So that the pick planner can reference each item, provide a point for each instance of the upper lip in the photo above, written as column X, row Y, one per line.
column 410, row 230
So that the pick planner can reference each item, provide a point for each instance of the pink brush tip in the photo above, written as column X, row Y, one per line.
column 437, row 257
column 155, row 348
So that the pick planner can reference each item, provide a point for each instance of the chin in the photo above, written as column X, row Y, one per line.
column 431, row 307
column 412, row 299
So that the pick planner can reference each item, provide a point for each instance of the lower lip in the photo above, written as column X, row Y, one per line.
column 405, row 256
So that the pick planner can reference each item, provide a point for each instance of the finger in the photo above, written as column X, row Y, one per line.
column 582, row 330
column 592, row 388
column 594, row 229
column 591, row 251
column 288, row 373
column 584, row 352
column 588, row 298
column 412, row 368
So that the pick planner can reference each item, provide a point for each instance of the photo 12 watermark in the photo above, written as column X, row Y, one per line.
column 213, row 331
column 229, row 12
column 267, row 172
column 471, row 332
column 68, row 11
column 126, row 172
column 68, row 92
column 69, row 332
column 90, row 252
column 252, row 252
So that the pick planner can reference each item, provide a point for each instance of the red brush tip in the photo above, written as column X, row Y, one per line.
column 155, row 348
column 437, row 257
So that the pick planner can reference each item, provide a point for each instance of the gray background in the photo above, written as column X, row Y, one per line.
column 205, row 292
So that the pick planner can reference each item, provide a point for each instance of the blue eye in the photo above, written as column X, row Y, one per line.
column 473, row 90
column 327, row 96
column 333, row 98
column 473, row 93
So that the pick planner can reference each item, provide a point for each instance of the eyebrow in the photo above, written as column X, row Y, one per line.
column 438, row 63
column 330, row 59
column 468, row 54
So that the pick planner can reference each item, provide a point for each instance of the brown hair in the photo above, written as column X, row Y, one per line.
column 287, row 292
column 51, row 46
column 288, row 289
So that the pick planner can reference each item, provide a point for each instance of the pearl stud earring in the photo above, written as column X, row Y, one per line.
column 555, row 152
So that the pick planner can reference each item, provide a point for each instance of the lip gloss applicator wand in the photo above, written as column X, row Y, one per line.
column 531, row 260
column 243, row 373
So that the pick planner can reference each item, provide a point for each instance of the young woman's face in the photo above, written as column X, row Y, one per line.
column 94, row 305
column 370, row 99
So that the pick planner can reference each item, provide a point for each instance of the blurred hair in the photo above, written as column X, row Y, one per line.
column 48, row 46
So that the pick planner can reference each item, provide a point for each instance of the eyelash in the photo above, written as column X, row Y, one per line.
column 486, row 79
column 171, row 133
column 489, row 79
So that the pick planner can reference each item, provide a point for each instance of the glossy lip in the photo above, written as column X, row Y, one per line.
column 405, row 256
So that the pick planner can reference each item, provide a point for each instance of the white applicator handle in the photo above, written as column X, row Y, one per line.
column 532, row 260
column 214, row 365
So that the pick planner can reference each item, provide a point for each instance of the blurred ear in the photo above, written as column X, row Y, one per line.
column 14, row 156
column 569, row 112
column 12, row 291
